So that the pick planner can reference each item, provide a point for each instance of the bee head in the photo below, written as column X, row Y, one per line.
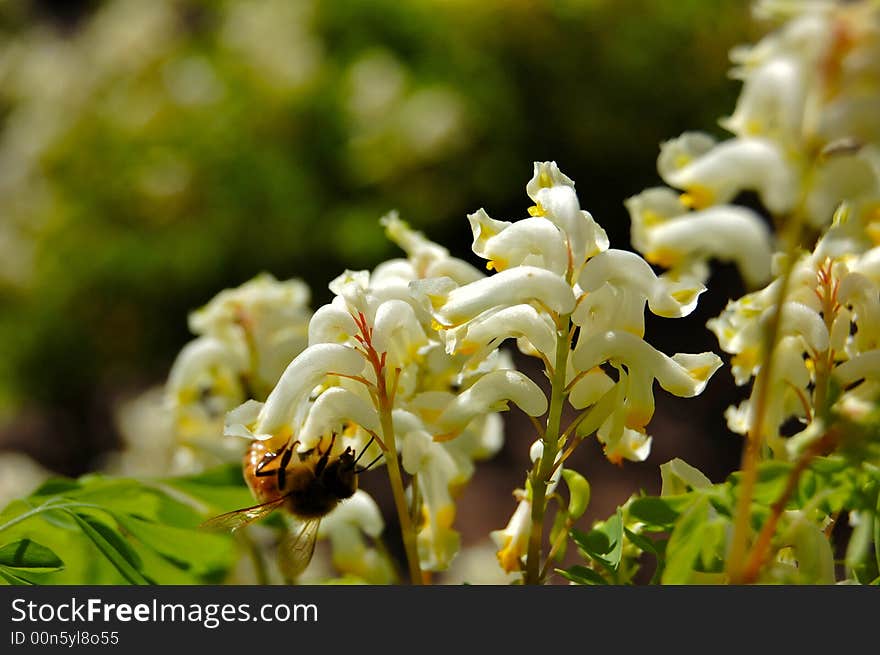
column 339, row 477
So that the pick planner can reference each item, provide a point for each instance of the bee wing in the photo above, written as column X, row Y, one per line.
column 297, row 547
column 241, row 517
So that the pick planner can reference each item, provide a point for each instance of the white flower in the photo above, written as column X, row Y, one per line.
column 555, row 273
column 349, row 528
column 670, row 235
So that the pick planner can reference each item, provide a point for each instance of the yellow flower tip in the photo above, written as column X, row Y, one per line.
column 810, row 364
column 490, row 265
column 701, row 373
column 697, row 197
column 637, row 420
column 747, row 359
column 445, row 516
column 684, row 296
column 753, row 127
column 872, row 225
column 187, row 425
column 615, row 458
column 278, row 440
column 664, row 257
column 187, row 396
column 430, row 415
column 651, row 218
column 544, row 178
column 466, row 348
column 537, row 210
column 509, row 557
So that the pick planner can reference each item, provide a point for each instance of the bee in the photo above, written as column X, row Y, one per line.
column 308, row 485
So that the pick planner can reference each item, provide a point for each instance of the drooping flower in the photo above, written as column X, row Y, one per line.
column 557, row 266
column 374, row 343
column 805, row 139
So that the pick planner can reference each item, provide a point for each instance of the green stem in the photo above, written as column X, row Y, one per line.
column 739, row 542
column 542, row 471
column 397, row 489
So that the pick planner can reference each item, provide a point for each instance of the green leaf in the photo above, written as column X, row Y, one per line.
column 642, row 542
column 685, row 543
column 202, row 553
column 593, row 542
column 579, row 493
column 28, row 554
column 11, row 578
column 112, row 546
column 614, row 529
column 54, row 486
column 679, row 477
column 658, row 512
column 604, row 543
column 771, row 479
column 216, row 491
column 582, row 575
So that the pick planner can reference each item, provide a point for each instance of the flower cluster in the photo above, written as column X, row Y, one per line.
column 554, row 267
column 372, row 354
column 829, row 333
column 246, row 336
column 805, row 134
column 568, row 298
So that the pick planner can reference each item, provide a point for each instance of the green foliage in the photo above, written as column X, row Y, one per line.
column 121, row 531
column 685, row 533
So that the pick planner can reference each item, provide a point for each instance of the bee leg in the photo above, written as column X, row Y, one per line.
column 285, row 460
column 370, row 465
column 258, row 469
column 369, row 443
column 325, row 456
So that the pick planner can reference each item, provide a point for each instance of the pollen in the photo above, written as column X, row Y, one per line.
column 651, row 218
column 873, row 225
column 698, row 197
column 665, row 257
column 508, row 557
column 701, row 373
column 537, row 210
column 445, row 516
column 684, row 295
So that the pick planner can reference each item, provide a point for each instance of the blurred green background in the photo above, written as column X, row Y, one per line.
column 153, row 152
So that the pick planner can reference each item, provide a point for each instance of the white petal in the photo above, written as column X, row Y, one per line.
column 739, row 165
column 492, row 327
column 684, row 375
column 491, row 393
column 332, row 409
column 300, row 377
column 331, row 323
column 625, row 269
column 511, row 287
column 531, row 241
